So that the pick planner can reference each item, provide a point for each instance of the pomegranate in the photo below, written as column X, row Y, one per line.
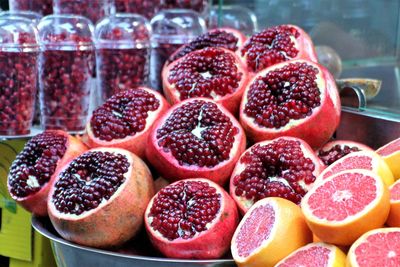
column 212, row 72
column 275, row 45
column 335, row 150
column 227, row 38
column 295, row 98
column 285, row 167
column 35, row 168
column 191, row 219
column 160, row 183
column 196, row 138
column 125, row 120
column 100, row 197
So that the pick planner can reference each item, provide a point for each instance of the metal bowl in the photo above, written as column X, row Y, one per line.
column 137, row 253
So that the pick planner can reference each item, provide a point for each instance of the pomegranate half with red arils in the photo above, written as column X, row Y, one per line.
column 100, row 197
column 125, row 120
column 295, row 98
column 335, row 150
column 212, row 72
column 285, row 167
column 227, row 38
column 196, row 138
column 275, row 45
column 192, row 219
column 35, row 168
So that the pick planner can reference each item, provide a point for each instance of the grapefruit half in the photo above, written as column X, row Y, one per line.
column 394, row 215
column 391, row 154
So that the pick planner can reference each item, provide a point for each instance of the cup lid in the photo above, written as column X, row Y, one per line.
column 17, row 32
column 177, row 26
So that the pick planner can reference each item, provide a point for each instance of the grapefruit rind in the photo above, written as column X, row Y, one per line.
column 336, row 256
column 391, row 154
column 288, row 233
column 345, row 232
column 394, row 215
column 379, row 166
column 351, row 256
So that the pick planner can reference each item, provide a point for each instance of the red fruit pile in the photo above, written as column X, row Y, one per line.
column 44, row 7
column 93, row 10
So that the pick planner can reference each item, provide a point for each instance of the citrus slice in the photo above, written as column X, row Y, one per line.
column 391, row 154
column 346, row 205
column 379, row 247
column 394, row 215
column 271, row 229
column 315, row 254
column 368, row 160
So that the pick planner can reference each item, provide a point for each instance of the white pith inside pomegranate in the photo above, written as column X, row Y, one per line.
column 100, row 197
column 275, row 45
column 212, row 72
column 125, row 120
column 191, row 219
column 285, row 167
column 335, row 150
column 196, row 138
column 33, row 171
column 296, row 98
column 227, row 38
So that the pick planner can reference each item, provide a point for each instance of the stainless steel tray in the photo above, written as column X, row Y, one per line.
column 138, row 252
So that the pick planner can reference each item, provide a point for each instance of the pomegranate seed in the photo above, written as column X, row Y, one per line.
column 44, row 7
column 335, row 153
column 93, row 10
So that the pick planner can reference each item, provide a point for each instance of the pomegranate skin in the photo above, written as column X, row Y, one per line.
column 230, row 101
column 315, row 129
column 119, row 219
column 136, row 143
column 37, row 203
column 169, row 167
column 210, row 244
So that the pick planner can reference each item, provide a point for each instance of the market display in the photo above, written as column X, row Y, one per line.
column 212, row 199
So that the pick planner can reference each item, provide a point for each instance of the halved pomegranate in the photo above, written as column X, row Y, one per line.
column 196, row 138
column 227, row 38
column 100, row 197
column 212, row 72
column 125, row 120
column 335, row 150
column 35, row 168
column 192, row 219
column 285, row 167
column 296, row 98
column 275, row 45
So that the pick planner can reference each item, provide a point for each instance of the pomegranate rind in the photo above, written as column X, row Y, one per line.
column 170, row 168
column 378, row 165
column 342, row 143
column 391, row 154
column 345, row 232
column 37, row 202
column 315, row 129
column 288, row 233
column 245, row 204
column 210, row 244
column 352, row 257
column 114, row 221
column 230, row 101
column 336, row 256
column 303, row 44
column 134, row 143
column 394, row 215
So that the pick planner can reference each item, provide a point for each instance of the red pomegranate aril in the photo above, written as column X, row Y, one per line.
column 193, row 218
column 122, row 69
column 275, row 45
column 18, row 87
column 196, row 5
column 125, row 120
column 296, row 98
column 44, row 7
column 93, row 9
column 33, row 171
column 196, row 138
column 145, row 8
column 284, row 167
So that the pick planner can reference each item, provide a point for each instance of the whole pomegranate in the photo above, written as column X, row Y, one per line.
column 191, row 219
column 296, row 98
column 100, row 197
column 196, row 138
column 35, row 168
column 285, row 167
